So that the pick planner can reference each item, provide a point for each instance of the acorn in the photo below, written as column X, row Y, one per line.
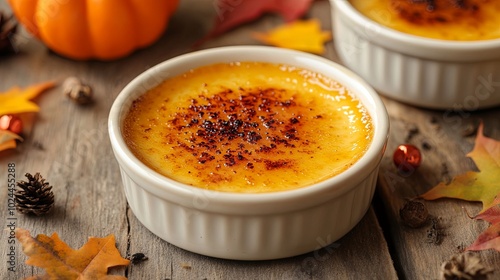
column 77, row 91
column 414, row 214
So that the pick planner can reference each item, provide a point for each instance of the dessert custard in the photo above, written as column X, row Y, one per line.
column 248, row 127
column 462, row 20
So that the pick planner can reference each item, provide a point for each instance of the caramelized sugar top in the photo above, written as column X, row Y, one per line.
column 248, row 127
column 439, row 19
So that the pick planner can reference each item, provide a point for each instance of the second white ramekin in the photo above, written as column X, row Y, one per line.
column 430, row 73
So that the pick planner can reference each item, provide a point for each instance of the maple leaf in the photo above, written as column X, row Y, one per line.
column 60, row 261
column 490, row 238
column 475, row 186
column 492, row 214
column 16, row 100
column 305, row 35
column 232, row 13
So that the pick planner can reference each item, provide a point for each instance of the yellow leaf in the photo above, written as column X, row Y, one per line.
column 60, row 261
column 16, row 100
column 475, row 186
column 304, row 35
column 8, row 140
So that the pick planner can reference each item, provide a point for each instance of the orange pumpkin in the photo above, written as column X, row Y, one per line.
column 99, row 29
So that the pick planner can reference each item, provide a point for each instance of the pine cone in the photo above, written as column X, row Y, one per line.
column 7, row 31
column 465, row 267
column 35, row 196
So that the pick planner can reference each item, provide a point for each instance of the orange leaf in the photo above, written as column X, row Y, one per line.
column 305, row 35
column 16, row 101
column 475, row 186
column 60, row 261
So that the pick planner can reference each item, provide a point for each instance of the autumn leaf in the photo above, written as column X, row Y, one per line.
column 475, row 186
column 60, row 261
column 17, row 100
column 303, row 35
column 489, row 239
column 232, row 13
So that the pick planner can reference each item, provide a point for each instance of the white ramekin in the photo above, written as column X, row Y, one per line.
column 430, row 73
column 249, row 226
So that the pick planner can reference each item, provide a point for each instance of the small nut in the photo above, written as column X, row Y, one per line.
column 75, row 90
column 413, row 214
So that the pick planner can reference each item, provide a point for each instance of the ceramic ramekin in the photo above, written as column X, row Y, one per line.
column 249, row 226
column 429, row 73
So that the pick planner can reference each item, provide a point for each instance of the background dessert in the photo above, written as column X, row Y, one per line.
column 466, row 20
column 421, row 71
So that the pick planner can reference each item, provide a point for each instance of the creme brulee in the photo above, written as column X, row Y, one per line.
column 462, row 20
column 248, row 127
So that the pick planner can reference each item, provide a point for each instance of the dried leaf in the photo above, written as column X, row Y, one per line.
column 8, row 140
column 303, row 35
column 232, row 13
column 17, row 100
column 60, row 261
column 489, row 239
column 475, row 186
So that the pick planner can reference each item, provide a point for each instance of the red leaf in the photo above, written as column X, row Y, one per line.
column 232, row 13
column 492, row 214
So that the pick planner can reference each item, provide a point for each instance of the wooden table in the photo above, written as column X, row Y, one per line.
column 69, row 146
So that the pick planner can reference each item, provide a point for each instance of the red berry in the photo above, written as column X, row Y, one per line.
column 11, row 123
column 407, row 158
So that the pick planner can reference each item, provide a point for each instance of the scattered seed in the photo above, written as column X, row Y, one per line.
column 426, row 146
column 435, row 232
column 412, row 132
column 445, row 173
column 185, row 265
column 469, row 130
column 138, row 258
column 38, row 145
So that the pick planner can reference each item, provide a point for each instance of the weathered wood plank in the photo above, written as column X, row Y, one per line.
column 69, row 145
column 358, row 255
